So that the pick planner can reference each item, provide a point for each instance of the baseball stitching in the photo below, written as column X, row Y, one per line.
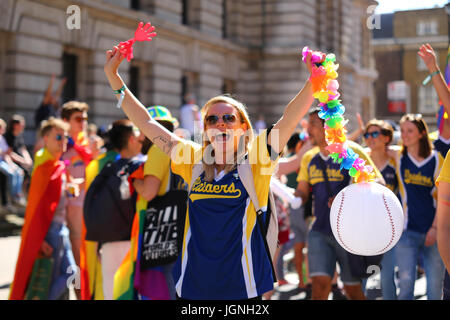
column 391, row 222
column 337, row 223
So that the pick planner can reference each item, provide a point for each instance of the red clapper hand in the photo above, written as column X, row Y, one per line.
column 142, row 33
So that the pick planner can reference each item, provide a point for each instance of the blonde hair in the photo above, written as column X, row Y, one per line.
column 48, row 125
column 243, row 145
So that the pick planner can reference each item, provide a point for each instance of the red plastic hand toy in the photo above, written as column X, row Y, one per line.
column 142, row 33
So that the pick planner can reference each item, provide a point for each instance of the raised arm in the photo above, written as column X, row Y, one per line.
column 134, row 109
column 48, row 92
column 428, row 56
column 58, row 92
column 293, row 113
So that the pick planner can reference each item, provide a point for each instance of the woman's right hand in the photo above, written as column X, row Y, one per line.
column 428, row 56
column 113, row 60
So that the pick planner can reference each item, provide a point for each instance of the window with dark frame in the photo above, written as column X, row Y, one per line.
column 70, row 64
column 135, row 4
column 134, row 80
column 185, row 12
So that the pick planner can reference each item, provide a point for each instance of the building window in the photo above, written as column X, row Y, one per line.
column 185, row 12
column 425, row 28
column 428, row 100
column 228, row 86
column 70, row 66
column 135, row 4
column 224, row 19
column 134, row 80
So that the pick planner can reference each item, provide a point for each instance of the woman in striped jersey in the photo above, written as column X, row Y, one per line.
column 418, row 166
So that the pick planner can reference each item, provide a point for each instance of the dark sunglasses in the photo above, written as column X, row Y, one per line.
column 374, row 134
column 227, row 118
column 59, row 137
column 80, row 119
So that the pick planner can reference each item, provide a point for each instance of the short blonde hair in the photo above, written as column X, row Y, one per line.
column 71, row 107
column 48, row 125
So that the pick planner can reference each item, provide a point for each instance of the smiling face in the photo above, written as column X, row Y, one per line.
column 410, row 134
column 374, row 138
column 224, row 127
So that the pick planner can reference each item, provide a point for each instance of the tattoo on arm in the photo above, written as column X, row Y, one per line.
column 167, row 143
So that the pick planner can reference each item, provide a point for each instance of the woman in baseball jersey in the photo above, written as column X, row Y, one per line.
column 418, row 166
column 223, row 254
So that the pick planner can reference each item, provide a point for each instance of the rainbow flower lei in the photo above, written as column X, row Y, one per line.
column 325, row 86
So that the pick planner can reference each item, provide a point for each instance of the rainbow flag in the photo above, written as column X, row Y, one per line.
column 441, row 115
column 43, row 198
column 90, row 266
column 124, row 277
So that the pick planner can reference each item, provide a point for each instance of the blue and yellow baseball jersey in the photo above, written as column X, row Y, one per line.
column 223, row 255
column 417, row 189
column 311, row 172
column 389, row 175
column 442, row 146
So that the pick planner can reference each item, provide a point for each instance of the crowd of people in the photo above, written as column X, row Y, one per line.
column 148, row 211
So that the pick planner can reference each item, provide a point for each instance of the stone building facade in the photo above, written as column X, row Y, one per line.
column 249, row 48
column 395, row 48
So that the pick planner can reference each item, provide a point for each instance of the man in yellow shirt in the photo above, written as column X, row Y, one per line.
column 443, row 220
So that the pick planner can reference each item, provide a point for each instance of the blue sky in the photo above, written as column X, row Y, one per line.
column 387, row 6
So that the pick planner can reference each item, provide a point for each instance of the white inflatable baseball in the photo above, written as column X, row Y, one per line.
column 366, row 218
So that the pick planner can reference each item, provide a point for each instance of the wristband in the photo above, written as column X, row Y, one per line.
column 121, row 91
column 428, row 78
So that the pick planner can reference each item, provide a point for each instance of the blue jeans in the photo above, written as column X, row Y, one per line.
column 64, row 266
column 387, row 275
column 407, row 253
column 15, row 177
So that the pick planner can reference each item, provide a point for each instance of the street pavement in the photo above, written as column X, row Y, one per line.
column 10, row 226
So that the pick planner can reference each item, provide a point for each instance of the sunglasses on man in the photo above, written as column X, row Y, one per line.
column 227, row 118
column 80, row 119
column 59, row 137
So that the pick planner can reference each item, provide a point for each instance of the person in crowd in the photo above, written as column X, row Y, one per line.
column 378, row 136
column 77, row 157
column 443, row 222
column 221, row 235
column 96, row 143
column 44, row 233
column 190, row 116
column 50, row 105
column 14, row 137
column 299, row 223
column 323, row 249
column 427, row 54
column 11, row 171
column 90, row 262
column 418, row 166
column 154, row 283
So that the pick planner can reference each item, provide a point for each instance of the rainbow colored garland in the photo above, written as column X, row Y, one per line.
column 325, row 86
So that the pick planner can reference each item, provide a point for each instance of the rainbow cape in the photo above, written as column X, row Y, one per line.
column 90, row 267
column 441, row 115
column 129, row 280
column 43, row 198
